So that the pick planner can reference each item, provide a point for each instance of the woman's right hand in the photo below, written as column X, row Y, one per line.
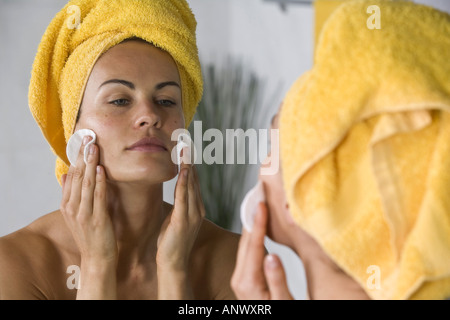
column 84, row 209
column 178, row 235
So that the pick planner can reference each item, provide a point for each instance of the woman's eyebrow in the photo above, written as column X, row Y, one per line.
column 123, row 82
column 130, row 85
column 167, row 83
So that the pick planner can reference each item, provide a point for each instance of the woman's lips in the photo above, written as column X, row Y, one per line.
column 148, row 144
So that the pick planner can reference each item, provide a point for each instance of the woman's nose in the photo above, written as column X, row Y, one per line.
column 147, row 115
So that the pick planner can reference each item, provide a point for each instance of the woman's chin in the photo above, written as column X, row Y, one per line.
column 145, row 174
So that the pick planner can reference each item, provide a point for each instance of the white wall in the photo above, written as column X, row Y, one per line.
column 28, row 187
column 277, row 44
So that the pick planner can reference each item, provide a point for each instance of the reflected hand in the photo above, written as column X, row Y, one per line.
column 258, row 276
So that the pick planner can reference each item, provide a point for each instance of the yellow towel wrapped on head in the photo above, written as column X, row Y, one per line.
column 80, row 33
column 365, row 148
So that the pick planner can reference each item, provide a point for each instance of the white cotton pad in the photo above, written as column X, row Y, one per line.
column 183, row 141
column 75, row 142
column 250, row 204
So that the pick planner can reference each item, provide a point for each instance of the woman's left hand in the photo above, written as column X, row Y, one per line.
column 178, row 235
column 258, row 276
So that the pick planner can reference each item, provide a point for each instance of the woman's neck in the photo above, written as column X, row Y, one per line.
column 137, row 212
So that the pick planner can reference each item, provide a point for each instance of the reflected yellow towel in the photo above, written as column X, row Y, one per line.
column 365, row 147
column 322, row 10
column 80, row 33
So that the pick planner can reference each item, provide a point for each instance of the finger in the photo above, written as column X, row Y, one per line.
column 241, row 262
column 200, row 203
column 242, row 249
column 67, row 189
column 63, row 185
column 185, row 162
column 183, row 166
column 249, row 274
column 181, row 197
column 257, row 235
column 77, row 174
column 186, row 156
column 99, row 193
column 196, row 180
column 276, row 278
column 194, row 212
column 248, row 244
column 63, row 180
column 89, row 181
column 66, row 180
column 239, row 275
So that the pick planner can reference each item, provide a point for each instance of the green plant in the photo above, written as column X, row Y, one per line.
column 232, row 99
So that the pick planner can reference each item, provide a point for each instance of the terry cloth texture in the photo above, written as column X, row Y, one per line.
column 365, row 148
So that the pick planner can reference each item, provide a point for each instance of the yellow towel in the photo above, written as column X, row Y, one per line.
column 322, row 10
column 80, row 33
column 365, row 147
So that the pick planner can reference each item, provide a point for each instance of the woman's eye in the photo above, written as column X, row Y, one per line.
column 120, row 102
column 165, row 102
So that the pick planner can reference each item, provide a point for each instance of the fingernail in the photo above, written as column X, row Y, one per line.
column 271, row 262
column 91, row 149
column 85, row 140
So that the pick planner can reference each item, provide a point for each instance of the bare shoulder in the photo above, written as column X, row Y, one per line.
column 215, row 259
column 219, row 236
column 28, row 259
column 218, row 243
column 18, row 266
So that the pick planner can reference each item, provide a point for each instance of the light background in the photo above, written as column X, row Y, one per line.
column 276, row 44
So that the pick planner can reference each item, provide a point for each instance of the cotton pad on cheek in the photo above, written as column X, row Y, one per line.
column 250, row 204
column 75, row 142
column 184, row 141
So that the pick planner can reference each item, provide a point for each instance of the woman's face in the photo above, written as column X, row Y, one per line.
column 133, row 103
